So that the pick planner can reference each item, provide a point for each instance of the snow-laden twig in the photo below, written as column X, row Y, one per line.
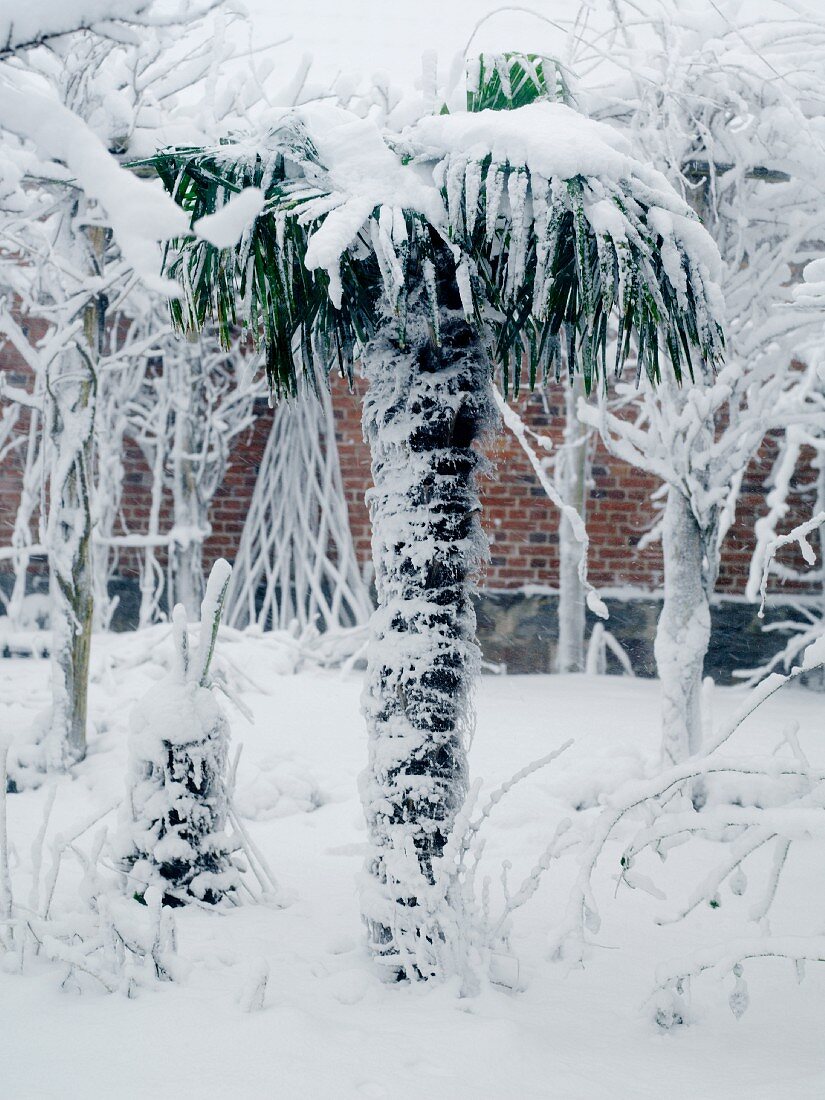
column 798, row 535
column 800, row 815
column 6, row 896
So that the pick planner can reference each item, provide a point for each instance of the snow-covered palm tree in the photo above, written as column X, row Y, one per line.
column 472, row 239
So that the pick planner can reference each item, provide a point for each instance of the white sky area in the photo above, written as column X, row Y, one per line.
column 363, row 37
column 360, row 38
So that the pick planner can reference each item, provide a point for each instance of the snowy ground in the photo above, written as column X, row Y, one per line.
column 328, row 1027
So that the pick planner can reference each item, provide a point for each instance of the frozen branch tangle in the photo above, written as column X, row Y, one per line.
column 82, row 232
column 296, row 560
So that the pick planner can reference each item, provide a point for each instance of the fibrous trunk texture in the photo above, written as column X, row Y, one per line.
column 683, row 632
column 71, row 405
column 572, row 477
column 424, row 409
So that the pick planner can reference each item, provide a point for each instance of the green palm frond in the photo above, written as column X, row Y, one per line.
column 263, row 283
column 503, row 82
column 574, row 275
column 542, row 263
column 553, row 259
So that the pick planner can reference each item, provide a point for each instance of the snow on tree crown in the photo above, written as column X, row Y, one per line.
column 542, row 218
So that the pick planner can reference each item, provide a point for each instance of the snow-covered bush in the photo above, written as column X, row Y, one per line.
column 119, row 942
column 751, row 803
column 175, row 815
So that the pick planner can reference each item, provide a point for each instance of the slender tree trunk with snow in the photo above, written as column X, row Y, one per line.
column 816, row 678
column 71, row 398
column 30, row 491
column 151, row 573
column 424, row 409
column 683, row 633
column 189, row 519
column 71, row 405
column 108, row 493
column 572, row 483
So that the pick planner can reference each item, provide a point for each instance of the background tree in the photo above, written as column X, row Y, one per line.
column 80, row 233
column 785, row 488
column 731, row 137
column 194, row 401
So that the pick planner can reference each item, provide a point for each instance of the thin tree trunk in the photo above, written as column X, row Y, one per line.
column 71, row 397
column 189, row 519
column 30, row 493
column 424, row 409
column 186, row 572
column 108, row 494
column 573, row 477
column 71, row 404
column 683, row 633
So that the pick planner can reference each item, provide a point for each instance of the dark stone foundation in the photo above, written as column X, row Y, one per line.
column 519, row 630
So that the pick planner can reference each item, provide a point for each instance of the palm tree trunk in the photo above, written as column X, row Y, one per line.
column 424, row 409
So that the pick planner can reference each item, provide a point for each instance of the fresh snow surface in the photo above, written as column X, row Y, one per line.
column 226, row 227
column 550, row 139
column 328, row 1027
column 139, row 211
column 364, row 170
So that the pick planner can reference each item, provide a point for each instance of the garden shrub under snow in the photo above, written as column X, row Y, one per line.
column 174, row 832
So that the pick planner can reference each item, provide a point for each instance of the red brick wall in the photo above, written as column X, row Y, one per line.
column 521, row 521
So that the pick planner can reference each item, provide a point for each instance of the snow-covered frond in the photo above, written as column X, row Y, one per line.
column 344, row 224
column 542, row 219
column 567, row 228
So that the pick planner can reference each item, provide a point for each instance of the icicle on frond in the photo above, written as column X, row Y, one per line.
column 345, row 230
column 553, row 219
column 502, row 82
column 563, row 228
